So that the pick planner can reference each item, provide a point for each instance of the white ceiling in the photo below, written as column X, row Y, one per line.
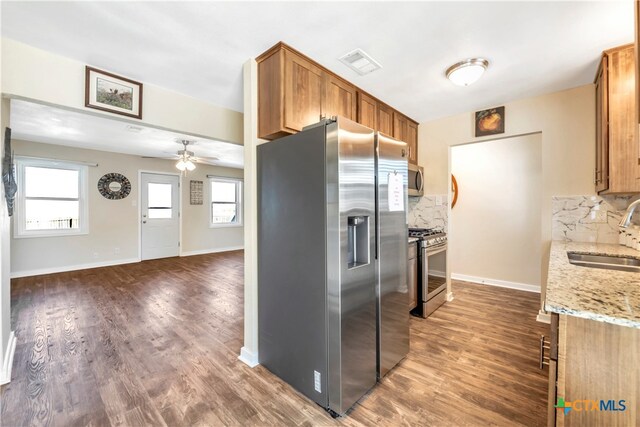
column 198, row 48
column 51, row 125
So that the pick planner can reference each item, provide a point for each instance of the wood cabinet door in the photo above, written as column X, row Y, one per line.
column 339, row 98
column 621, row 99
column 602, row 130
column 598, row 360
column 367, row 111
column 302, row 92
column 384, row 119
column 400, row 126
column 637, row 49
column 412, row 141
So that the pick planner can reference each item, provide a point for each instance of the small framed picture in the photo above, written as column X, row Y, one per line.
column 195, row 193
column 490, row 122
column 115, row 94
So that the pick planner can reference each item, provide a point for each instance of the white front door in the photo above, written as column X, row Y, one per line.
column 160, row 220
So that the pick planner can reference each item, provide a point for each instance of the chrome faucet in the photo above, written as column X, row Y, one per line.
column 626, row 219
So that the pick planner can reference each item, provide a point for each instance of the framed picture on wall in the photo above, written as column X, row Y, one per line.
column 195, row 190
column 115, row 94
column 490, row 122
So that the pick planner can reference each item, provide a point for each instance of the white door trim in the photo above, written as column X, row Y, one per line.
column 179, row 175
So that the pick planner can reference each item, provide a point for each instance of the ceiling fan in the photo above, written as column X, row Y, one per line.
column 186, row 159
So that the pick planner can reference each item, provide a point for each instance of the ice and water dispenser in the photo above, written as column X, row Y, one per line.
column 358, row 241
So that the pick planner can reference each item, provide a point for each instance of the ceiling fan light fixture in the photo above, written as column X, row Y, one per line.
column 185, row 163
column 467, row 72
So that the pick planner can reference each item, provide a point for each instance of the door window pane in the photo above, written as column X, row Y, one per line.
column 52, row 214
column 159, row 200
column 53, row 183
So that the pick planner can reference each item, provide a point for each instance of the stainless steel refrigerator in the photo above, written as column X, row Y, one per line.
column 323, row 315
column 391, row 257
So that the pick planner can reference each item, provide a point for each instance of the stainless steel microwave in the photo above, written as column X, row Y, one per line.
column 416, row 180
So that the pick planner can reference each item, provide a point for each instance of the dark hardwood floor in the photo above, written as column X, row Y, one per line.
column 156, row 343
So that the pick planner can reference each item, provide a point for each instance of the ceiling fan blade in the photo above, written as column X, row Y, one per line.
column 210, row 159
column 163, row 158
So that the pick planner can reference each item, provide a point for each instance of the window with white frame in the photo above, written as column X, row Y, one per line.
column 226, row 202
column 51, row 198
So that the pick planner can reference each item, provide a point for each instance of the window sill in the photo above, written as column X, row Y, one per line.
column 38, row 235
column 225, row 225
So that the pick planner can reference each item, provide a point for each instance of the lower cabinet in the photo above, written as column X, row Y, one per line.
column 594, row 379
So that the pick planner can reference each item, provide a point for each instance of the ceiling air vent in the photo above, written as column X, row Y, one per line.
column 360, row 62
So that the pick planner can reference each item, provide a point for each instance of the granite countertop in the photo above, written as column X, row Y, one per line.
column 592, row 293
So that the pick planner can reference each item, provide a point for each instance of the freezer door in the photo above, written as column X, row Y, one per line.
column 391, row 263
column 291, row 268
column 351, row 309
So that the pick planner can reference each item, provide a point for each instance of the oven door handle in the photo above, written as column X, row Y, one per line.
column 432, row 250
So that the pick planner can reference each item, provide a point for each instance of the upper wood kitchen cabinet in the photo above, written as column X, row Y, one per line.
column 384, row 115
column 637, row 47
column 367, row 110
column 412, row 141
column 290, row 93
column 617, row 169
column 602, row 131
column 406, row 130
column 295, row 91
column 339, row 98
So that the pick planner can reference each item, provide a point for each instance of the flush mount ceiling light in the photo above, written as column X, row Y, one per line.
column 467, row 72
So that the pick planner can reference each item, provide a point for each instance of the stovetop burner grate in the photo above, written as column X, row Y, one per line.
column 425, row 232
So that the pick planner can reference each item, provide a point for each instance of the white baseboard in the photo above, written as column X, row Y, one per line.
column 62, row 269
column 41, row 271
column 248, row 357
column 5, row 373
column 212, row 251
column 543, row 317
column 495, row 282
column 437, row 273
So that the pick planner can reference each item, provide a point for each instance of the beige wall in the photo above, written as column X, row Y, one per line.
column 40, row 76
column 567, row 122
column 5, row 282
column 31, row 73
column 114, row 223
column 500, row 185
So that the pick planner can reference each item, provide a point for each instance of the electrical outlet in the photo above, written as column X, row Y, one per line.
column 116, row 250
column 438, row 200
column 96, row 255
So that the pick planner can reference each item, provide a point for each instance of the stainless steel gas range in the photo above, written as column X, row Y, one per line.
column 432, row 269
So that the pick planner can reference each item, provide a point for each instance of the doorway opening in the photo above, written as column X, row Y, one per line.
column 495, row 230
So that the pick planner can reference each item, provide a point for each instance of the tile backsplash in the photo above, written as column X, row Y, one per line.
column 588, row 218
column 425, row 212
column 574, row 218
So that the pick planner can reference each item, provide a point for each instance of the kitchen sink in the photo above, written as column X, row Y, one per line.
column 606, row 262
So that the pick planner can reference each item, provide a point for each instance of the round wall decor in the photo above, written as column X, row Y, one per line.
column 114, row 186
